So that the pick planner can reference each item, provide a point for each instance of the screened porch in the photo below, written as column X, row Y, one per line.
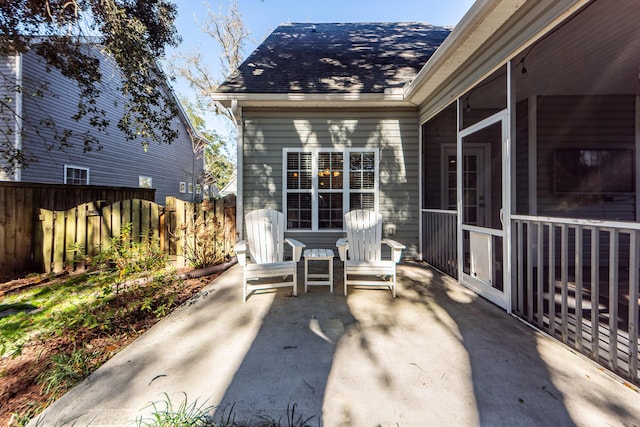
column 530, row 185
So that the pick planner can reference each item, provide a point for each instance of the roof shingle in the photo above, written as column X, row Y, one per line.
column 336, row 58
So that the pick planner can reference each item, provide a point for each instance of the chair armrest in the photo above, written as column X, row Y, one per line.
column 241, row 252
column 343, row 246
column 296, row 247
column 396, row 249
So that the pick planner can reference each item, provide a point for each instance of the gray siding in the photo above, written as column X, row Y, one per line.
column 395, row 133
column 119, row 162
column 7, row 118
column 586, row 122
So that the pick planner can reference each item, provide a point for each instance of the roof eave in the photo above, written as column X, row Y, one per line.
column 340, row 100
column 485, row 20
column 474, row 29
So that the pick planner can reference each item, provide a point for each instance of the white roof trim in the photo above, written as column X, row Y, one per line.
column 481, row 21
column 394, row 96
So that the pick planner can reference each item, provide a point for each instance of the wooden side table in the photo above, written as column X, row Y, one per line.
column 322, row 279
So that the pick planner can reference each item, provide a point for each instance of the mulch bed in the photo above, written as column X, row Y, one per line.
column 19, row 391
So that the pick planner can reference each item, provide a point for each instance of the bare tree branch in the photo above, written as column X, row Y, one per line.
column 228, row 31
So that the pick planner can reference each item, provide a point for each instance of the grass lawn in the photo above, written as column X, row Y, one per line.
column 55, row 331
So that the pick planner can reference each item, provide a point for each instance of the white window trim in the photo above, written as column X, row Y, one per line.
column 66, row 167
column 346, row 191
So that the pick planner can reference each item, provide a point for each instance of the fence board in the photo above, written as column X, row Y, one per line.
column 91, row 226
column 58, row 241
column 81, row 236
column 136, row 231
column 70, row 233
column 23, row 230
column 46, row 221
column 116, row 220
column 3, row 231
column 155, row 219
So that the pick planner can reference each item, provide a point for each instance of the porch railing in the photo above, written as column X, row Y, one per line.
column 440, row 244
column 578, row 280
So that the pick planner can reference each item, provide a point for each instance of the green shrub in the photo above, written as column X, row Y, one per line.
column 130, row 258
column 204, row 241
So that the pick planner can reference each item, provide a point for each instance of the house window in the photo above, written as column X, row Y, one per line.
column 322, row 185
column 145, row 181
column 75, row 175
column 183, row 187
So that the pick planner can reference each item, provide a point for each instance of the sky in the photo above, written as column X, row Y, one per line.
column 261, row 17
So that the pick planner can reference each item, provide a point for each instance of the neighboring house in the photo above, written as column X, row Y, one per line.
column 42, row 104
column 509, row 158
column 231, row 187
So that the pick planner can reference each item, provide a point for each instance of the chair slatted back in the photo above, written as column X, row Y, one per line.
column 265, row 235
column 364, row 234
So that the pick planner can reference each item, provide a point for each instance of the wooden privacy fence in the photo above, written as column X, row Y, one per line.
column 66, row 240
column 20, row 204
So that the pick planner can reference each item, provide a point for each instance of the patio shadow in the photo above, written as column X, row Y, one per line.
column 290, row 358
column 511, row 382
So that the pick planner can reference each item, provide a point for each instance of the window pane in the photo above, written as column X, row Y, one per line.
column 305, row 180
column 336, row 180
column 368, row 161
column 355, row 180
column 330, row 171
column 362, row 201
column 324, row 180
column 330, row 210
column 336, row 211
column 298, row 171
column 293, row 161
column 356, row 161
column 305, row 161
column 293, row 180
column 368, row 180
column 299, row 210
column 324, row 161
column 362, row 171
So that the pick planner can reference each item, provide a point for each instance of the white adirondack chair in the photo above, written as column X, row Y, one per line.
column 265, row 246
column 361, row 252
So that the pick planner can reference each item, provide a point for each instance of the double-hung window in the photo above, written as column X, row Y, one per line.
column 76, row 175
column 321, row 185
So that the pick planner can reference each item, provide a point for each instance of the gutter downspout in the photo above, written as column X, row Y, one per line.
column 236, row 112
column 17, row 169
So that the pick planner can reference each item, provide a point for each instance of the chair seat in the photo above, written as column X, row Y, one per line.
column 271, row 269
column 370, row 267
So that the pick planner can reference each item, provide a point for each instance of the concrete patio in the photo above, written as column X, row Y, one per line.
column 438, row 355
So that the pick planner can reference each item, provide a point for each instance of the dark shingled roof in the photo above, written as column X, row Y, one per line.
column 336, row 58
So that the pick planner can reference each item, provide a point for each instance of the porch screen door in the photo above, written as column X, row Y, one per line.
column 481, row 178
